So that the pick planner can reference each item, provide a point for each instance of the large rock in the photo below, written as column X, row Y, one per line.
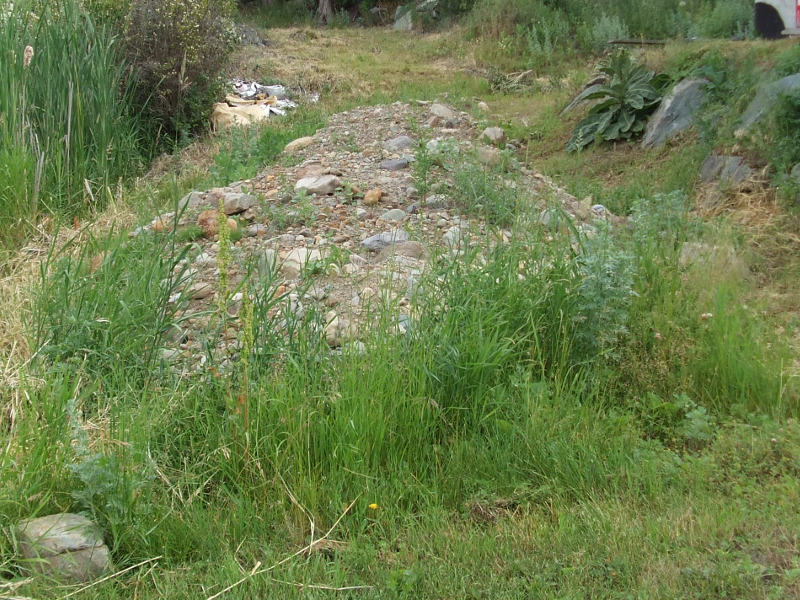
column 320, row 185
column 765, row 99
column 65, row 546
column 676, row 112
column 380, row 241
column 728, row 170
column 404, row 18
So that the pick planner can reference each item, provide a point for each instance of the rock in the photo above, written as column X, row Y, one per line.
column 234, row 203
column 728, row 170
column 488, row 155
column 256, row 230
column 495, row 135
column 403, row 18
column 208, row 221
column 200, row 290
column 358, row 260
column 371, row 197
column 192, row 201
column 169, row 354
column 394, row 164
column 443, row 112
column 267, row 261
column 320, row 185
column 452, row 237
column 361, row 214
column 297, row 259
column 676, row 112
column 765, row 99
column 396, row 214
column 338, row 330
column 410, row 249
column 204, row 259
column 402, row 142
column 382, row 240
column 65, row 546
column 298, row 144
column 437, row 201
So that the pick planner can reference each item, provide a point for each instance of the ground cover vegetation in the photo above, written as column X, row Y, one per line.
column 573, row 413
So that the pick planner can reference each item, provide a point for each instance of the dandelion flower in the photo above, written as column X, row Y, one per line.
column 373, row 506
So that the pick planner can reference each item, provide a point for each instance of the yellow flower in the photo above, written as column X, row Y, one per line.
column 373, row 506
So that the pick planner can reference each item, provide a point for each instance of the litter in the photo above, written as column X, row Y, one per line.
column 250, row 102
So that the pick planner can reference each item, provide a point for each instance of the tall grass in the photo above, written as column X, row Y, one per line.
column 66, row 132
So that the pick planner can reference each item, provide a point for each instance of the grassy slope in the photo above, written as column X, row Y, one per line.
column 566, row 494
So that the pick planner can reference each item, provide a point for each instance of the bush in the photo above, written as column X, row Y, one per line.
column 177, row 49
column 727, row 19
column 604, row 30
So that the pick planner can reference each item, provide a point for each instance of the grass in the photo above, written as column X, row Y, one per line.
column 559, row 421
column 67, row 132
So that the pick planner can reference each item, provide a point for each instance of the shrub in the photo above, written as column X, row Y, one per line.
column 177, row 49
column 604, row 30
column 726, row 19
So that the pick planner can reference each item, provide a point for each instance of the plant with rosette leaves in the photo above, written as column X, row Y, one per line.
column 627, row 96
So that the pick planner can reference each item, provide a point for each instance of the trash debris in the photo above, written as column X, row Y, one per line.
column 250, row 102
column 251, row 90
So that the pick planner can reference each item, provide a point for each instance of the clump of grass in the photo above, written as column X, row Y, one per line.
column 67, row 133
column 102, row 307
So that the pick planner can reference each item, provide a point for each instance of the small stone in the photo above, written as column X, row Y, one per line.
column 256, row 230
column 298, row 144
column 320, row 185
column 396, row 214
column 297, row 259
column 358, row 260
column 235, row 203
column 204, row 259
column 361, row 214
column 410, row 249
column 200, row 290
column 495, row 135
column 65, row 546
column 483, row 106
column 437, row 201
column 267, row 261
column 169, row 354
column 402, row 142
column 382, row 240
column 443, row 112
column 394, row 164
column 372, row 196
column 337, row 330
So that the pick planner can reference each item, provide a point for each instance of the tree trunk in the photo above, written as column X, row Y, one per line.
column 325, row 11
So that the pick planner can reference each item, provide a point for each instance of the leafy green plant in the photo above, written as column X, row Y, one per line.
column 629, row 94
column 177, row 50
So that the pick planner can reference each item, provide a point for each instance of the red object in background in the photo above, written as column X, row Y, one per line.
column 797, row 14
